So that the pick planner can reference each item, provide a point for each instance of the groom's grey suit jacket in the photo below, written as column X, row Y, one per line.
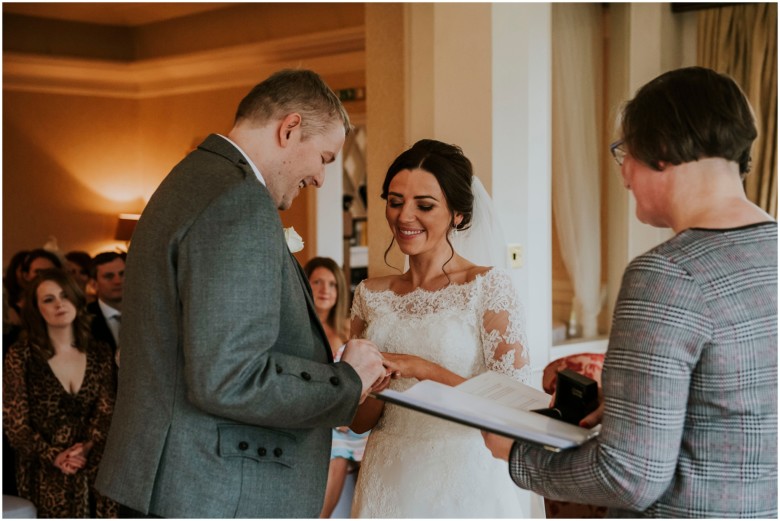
column 227, row 389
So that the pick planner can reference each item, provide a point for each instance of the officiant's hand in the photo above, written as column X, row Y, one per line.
column 365, row 359
column 499, row 446
column 594, row 418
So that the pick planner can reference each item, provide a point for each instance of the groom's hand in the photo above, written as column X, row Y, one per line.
column 365, row 359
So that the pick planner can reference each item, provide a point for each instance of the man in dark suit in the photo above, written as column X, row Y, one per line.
column 227, row 388
column 107, row 273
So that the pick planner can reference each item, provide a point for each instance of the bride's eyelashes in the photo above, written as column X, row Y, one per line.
column 423, row 207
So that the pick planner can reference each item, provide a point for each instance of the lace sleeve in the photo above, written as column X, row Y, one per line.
column 358, row 322
column 503, row 327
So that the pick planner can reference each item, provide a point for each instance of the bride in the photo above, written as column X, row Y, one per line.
column 445, row 319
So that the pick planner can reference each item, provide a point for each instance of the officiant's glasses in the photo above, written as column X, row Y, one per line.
column 617, row 152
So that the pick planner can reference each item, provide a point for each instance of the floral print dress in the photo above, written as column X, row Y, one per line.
column 41, row 419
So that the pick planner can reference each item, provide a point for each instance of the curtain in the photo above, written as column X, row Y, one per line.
column 577, row 88
column 741, row 41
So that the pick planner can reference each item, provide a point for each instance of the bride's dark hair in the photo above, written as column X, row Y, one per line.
column 453, row 172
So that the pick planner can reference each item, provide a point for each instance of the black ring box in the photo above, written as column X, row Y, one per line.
column 576, row 396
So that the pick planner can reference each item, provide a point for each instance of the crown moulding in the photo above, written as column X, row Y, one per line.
column 338, row 53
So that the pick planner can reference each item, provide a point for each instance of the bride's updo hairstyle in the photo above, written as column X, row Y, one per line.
column 452, row 170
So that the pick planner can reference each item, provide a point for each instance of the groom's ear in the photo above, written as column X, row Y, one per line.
column 289, row 124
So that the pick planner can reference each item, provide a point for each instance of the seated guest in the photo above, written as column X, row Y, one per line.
column 77, row 263
column 36, row 261
column 107, row 276
column 13, row 290
column 13, row 283
column 10, row 333
column 689, row 412
column 58, row 398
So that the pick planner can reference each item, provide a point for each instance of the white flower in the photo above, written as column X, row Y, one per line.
column 294, row 241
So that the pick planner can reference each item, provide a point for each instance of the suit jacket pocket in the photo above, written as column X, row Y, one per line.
column 257, row 443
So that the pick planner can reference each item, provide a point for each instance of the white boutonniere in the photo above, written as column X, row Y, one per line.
column 294, row 241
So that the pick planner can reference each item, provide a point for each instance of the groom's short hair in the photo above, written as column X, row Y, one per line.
column 288, row 91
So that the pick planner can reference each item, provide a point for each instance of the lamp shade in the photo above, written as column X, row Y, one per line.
column 125, row 226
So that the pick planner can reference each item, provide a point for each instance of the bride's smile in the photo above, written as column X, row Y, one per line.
column 417, row 212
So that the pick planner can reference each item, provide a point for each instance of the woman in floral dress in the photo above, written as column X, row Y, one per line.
column 57, row 401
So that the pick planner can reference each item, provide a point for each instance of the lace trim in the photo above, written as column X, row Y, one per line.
column 489, row 301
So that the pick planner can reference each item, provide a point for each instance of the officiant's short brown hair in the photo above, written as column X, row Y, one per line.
column 689, row 114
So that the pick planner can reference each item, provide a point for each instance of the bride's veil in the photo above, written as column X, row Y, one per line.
column 483, row 242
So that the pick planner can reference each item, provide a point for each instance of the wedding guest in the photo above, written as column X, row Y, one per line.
column 445, row 319
column 689, row 412
column 10, row 334
column 77, row 263
column 57, row 401
column 36, row 261
column 13, row 282
column 227, row 388
column 13, row 290
column 329, row 290
column 107, row 275
column 331, row 298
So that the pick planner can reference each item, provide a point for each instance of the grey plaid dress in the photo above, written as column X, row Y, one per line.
column 690, row 386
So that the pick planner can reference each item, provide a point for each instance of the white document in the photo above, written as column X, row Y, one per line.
column 496, row 403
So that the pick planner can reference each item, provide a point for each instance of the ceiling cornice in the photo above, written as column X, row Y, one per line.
column 329, row 53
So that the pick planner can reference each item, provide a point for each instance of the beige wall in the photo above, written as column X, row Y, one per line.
column 69, row 167
column 385, row 121
column 73, row 162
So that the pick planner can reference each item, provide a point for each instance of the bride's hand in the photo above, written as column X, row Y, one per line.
column 406, row 366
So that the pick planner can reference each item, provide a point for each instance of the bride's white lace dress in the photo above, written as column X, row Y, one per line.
column 418, row 466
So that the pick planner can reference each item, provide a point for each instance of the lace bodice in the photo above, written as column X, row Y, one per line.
column 466, row 328
column 420, row 466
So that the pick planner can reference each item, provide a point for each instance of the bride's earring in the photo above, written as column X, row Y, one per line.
column 454, row 232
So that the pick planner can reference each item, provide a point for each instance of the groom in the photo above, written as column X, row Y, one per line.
column 227, row 387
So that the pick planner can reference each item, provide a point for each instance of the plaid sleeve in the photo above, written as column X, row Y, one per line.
column 660, row 325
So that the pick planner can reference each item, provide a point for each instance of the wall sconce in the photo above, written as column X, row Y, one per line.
column 125, row 226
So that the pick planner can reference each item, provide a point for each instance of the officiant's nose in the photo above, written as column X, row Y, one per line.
column 318, row 180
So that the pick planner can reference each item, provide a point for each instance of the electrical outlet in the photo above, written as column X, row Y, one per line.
column 515, row 253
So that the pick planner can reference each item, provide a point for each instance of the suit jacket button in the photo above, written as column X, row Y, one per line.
column 278, row 369
column 243, row 445
column 335, row 380
column 278, row 452
column 306, row 376
column 261, row 451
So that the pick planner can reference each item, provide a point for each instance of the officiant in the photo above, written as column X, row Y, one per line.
column 689, row 411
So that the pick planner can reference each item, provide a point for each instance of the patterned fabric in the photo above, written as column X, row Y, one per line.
column 590, row 365
column 419, row 466
column 690, row 386
column 587, row 364
column 42, row 419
